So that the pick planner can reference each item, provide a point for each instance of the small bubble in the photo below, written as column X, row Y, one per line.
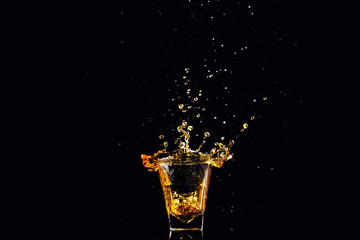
column 264, row 98
column 181, row 106
column 224, row 122
column 254, row 100
column 242, row 130
column 222, row 138
column 161, row 136
column 198, row 115
column 187, row 70
column 203, row 109
column 184, row 77
column 252, row 117
column 271, row 169
column 245, row 125
column 196, row 99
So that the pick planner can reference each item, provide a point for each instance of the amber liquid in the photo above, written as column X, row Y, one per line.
column 185, row 188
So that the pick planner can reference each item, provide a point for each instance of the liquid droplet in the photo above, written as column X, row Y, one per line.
column 189, row 128
column 252, row 117
column 207, row 134
column 196, row 99
column 264, row 98
column 245, row 125
column 222, row 138
column 181, row 106
column 161, row 136
column 198, row 115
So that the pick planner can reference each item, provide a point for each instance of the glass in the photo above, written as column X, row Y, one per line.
column 185, row 183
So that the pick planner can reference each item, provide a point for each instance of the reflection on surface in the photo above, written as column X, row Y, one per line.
column 186, row 235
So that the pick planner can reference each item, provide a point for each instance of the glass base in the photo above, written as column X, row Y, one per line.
column 186, row 235
column 195, row 225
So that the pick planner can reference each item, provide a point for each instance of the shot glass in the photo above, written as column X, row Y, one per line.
column 185, row 184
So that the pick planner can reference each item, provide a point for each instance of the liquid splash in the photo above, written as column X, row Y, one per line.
column 216, row 157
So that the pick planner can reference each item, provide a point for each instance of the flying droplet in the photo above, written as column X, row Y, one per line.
column 245, row 125
column 207, row 134
column 179, row 128
column 189, row 128
column 196, row 99
column 254, row 100
column 161, row 136
column 181, row 106
column 166, row 144
column 252, row 117
column 198, row 115
column 222, row 138
column 203, row 109
column 264, row 98
column 224, row 122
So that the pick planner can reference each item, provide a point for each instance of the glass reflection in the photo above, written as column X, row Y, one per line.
column 186, row 235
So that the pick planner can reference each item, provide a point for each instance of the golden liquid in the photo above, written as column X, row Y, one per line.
column 185, row 188
column 216, row 157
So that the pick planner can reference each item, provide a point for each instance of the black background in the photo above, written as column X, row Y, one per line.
column 96, row 73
